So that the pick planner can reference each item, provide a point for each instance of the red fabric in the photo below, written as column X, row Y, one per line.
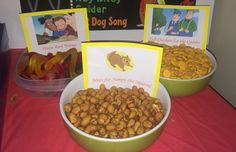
column 199, row 123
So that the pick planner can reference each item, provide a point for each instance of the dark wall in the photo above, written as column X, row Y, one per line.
column 3, row 73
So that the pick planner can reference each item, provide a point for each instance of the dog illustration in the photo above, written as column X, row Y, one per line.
column 121, row 61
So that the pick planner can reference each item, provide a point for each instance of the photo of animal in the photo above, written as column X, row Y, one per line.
column 117, row 60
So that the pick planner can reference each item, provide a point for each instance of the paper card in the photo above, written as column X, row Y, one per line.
column 123, row 64
column 58, row 30
column 174, row 25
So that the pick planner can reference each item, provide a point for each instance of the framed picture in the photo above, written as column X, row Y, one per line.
column 174, row 25
column 53, row 31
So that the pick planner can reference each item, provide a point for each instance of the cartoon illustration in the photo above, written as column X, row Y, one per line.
column 158, row 21
column 172, row 26
column 60, row 23
column 161, row 2
column 55, row 28
column 70, row 20
column 48, row 28
column 187, row 26
column 121, row 61
column 62, row 27
column 47, row 21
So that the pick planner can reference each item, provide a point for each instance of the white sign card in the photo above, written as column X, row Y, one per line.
column 175, row 25
column 121, row 64
column 55, row 31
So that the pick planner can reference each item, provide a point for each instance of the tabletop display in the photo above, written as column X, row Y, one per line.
column 65, row 92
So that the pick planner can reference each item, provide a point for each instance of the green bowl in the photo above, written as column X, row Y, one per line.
column 187, row 87
column 98, row 144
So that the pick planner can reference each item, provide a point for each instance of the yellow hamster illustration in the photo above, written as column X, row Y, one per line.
column 118, row 59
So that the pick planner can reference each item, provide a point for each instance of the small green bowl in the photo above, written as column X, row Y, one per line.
column 98, row 144
column 187, row 87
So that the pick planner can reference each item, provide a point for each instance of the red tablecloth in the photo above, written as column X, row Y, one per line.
column 199, row 123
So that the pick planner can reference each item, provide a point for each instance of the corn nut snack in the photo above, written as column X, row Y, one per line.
column 184, row 62
column 115, row 112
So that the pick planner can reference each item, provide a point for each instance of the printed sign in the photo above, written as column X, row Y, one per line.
column 123, row 64
column 104, row 14
column 175, row 25
column 55, row 31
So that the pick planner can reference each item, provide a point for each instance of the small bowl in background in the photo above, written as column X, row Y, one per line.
column 187, row 87
column 98, row 144
column 40, row 88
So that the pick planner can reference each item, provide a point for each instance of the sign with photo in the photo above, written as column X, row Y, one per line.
column 55, row 31
column 175, row 25
column 104, row 14
column 121, row 64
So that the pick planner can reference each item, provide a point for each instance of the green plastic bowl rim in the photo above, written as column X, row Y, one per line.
column 121, row 139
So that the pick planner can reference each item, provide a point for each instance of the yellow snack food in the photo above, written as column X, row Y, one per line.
column 120, row 113
column 184, row 62
column 166, row 73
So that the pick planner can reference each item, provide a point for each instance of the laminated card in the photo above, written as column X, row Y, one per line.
column 121, row 64
column 55, row 31
column 175, row 25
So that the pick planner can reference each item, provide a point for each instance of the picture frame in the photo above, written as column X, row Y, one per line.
column 175, row 25
column 55, row 30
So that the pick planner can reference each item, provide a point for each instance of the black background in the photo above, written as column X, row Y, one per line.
column 127, row 9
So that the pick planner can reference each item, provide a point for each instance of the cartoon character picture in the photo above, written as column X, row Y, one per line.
column 47, row 21
column 62, row 27
column 187, row 25
column 161, row 2
column 70, row 20
column 119, row 61
column 158, row 21
column 180, row 22
column 172, row 26
column 55, row 28
column 49, row 27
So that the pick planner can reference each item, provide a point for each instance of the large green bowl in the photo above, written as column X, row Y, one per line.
column 187, row 87
column 97, row 144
